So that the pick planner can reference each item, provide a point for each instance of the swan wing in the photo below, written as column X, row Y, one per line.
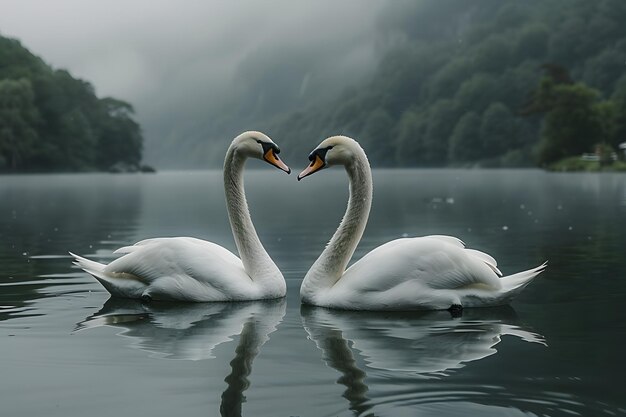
column 486, row 258
column 152, row 259
column 185, row 269
column 455, row 241
column 435, row 262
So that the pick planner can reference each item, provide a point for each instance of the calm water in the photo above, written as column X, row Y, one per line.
column 67, row 350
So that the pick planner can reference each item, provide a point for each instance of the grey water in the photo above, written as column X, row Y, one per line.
column 66, row 349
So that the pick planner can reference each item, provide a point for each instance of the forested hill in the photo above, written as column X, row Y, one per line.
column 50, row 121
column 450, row 90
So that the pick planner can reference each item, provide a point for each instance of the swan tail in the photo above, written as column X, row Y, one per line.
column 514, row 284
column 117, row 286
column 85, row 263
column 488, row 259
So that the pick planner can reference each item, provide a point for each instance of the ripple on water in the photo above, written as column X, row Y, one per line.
column 50, row 257
column 23, row 296
column 451, row 399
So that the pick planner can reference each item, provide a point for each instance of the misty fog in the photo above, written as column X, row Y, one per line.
column 187, row 68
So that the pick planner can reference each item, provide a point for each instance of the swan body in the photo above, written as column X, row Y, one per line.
column 189, row 269
column 421, row 273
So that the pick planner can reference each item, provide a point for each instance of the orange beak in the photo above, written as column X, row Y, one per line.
column 315, row 166
column 271, row 157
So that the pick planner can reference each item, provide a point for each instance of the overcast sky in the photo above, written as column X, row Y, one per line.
column 132, row 49
column 184, row 63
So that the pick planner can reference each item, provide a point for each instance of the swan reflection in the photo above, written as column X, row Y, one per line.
column 193, row 331
column 417, row 344
column 426, row 343
column 186, row 331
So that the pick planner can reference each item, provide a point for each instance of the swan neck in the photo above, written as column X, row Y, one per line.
column 254, row 257
column 332, row 263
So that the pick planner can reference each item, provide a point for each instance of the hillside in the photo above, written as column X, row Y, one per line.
column 450, row 90
column 51, row 121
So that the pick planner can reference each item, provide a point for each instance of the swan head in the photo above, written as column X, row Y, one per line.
column 335, row 150
column 258, row 145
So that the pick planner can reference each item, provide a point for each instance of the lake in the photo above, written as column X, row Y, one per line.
column 66, row 349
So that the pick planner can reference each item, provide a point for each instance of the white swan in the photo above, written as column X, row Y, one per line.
column 424, row 273
column 189, row 269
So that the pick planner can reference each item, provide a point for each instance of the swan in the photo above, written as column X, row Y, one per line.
column 422, row 273
column 189, row 269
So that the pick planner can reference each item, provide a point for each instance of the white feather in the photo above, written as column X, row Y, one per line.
column 189, row 269
column 422, row 273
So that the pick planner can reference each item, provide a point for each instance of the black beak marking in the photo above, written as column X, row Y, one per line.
column 321, row 152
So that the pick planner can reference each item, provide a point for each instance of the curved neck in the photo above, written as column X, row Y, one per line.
column 332, row 263
column 255, row 259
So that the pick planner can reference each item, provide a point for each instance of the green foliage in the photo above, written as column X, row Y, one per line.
column 577, row 121
column 499, row 131
column 619, row 111
column 18, row 119
column 120, row 136
column 572, row 124
column 452, row 91
column 465, row 140
column 50, row 121
column 575, row 164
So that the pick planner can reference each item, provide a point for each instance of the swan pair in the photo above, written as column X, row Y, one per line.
column 426, row 273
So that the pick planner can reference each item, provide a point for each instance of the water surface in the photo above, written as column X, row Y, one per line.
column 67, row 349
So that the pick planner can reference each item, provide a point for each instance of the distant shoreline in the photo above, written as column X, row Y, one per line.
column 576, row 164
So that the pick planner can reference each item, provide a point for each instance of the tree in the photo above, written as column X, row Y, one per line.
column 499, row 130
column 18, row 117
column 50, row 120
column 441, row 118
column 532, row 42
column 412, row 144
column 120, row 137
column 603, row 70
column 378, row 127
column 483, row 61
column 573, row 120
column 465, row 143
column 492, row 55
